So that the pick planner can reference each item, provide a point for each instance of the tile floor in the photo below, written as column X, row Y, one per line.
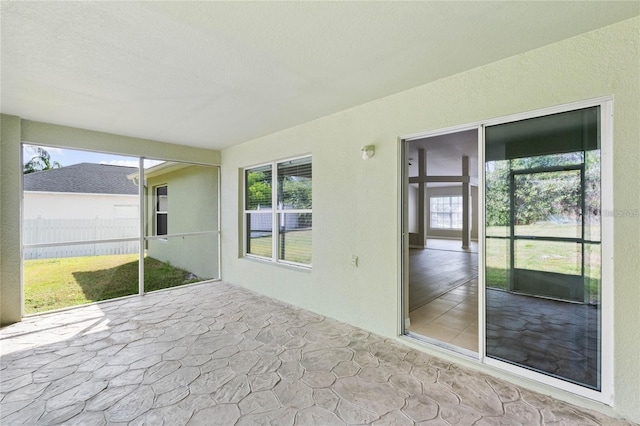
column 215, row 353
column 432, row 273
column 451, row 318
column 451, row 245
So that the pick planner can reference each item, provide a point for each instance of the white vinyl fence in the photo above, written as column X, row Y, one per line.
column 41, row 231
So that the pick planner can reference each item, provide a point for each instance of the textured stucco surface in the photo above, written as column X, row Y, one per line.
column 155, row 69
column 10, row 287
column 356, row 202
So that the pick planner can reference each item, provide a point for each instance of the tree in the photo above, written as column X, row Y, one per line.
column 541, row 195
column 497, row 193
column 297, row 192
column 40, row 161
column 258, row 190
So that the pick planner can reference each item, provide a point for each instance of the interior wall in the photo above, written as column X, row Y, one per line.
column 14, row 131
column 356, row 202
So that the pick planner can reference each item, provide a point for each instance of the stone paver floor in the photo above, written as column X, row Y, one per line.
column 219, row 354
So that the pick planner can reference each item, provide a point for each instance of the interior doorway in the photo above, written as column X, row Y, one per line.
column 442, row 224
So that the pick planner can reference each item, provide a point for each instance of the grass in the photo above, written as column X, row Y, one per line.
column 298, row 246
column 64, row 282
column 548, row 229
column 550, row 256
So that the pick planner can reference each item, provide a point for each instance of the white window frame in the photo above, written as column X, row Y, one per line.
column 275, row 211
column 157, row 212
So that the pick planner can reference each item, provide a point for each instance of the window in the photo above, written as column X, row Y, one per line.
column 162, row 206
column 446, row 213
column 278, row 203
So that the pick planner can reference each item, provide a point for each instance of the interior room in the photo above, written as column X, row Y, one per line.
column 443, row 247
column 270, row 268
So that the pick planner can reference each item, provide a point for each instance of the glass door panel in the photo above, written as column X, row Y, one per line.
column 542, row 245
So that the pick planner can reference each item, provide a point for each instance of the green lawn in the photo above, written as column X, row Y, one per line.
column 297, row 246
column 550, row 256
column 64, row 282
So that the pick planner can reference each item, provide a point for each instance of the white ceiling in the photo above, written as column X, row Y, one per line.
column 444, row 155
column 215, row 74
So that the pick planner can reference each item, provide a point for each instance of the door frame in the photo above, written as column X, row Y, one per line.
column 403, row 232
column 606, row 393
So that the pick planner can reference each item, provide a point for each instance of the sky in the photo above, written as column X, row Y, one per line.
column 68, row 157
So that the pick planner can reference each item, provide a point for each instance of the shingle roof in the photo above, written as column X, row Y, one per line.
column 83, row 178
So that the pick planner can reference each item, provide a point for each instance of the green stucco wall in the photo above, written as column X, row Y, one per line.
column 356, row 202
column 193, row 207
column 11, row 298
column 14, row 131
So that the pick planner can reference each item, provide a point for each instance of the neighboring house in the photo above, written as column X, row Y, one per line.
column 180, row 220
column 80, row 202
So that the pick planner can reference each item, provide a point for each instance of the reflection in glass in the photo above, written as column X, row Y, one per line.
column 548, row 204
column 592, row 273
column 542, row 245
column 550, row 256
column 295, row 201
column 497, row 263
column 294, row 184
column 295, row 238
column 592, row 196
column 259, row 234
column 258, row 188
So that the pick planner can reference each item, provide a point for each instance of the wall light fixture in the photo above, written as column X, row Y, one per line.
column 368, row 151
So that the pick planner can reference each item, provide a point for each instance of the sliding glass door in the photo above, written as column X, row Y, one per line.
column 545, row 279
column 543, row 245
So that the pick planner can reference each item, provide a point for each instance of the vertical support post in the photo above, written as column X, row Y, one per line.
column 583, row 207
column 465, row 203
column 282, row 219
column 11, row 262
column 219, row 236
column 274, row 213
column 512, row 228
column 422, row 197
column 141, row 213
